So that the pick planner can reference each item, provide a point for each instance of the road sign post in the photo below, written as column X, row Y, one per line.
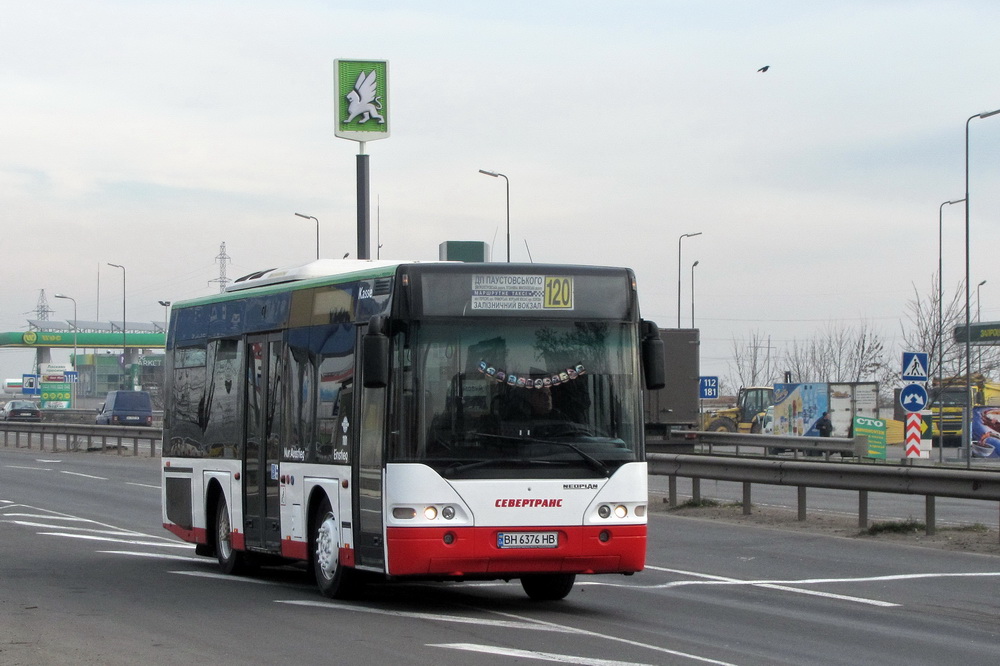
column 708, row 387
column 913, row 398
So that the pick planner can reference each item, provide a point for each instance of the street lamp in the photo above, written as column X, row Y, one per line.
column 682, row 237
column 166, row 314
column 310, row 217
column 979, row 305
column 979, row 318
column 124, row 341
column 968, row 323
column 496, row 174
column 75, row 328
column 70, row 298
column 940, row 394
column 692, row 293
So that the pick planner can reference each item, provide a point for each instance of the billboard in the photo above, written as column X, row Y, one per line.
column 361, row 89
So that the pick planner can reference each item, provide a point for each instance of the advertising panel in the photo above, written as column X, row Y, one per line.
column 797, row 408
column 874, row 430
column 985, row 429
column 57, row 395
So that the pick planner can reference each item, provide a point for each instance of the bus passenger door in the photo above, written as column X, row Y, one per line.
column 263, row 446
column 367, row 483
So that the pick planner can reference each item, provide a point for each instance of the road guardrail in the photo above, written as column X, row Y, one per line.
column 77, row 436
column 931, row 482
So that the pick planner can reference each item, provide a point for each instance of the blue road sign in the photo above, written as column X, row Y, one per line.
column 913, row 397
column 915, row 366
column 708, row 387
column 29, row 385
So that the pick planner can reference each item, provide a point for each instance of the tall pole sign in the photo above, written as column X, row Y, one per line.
column 361, row 89
column 913, row 400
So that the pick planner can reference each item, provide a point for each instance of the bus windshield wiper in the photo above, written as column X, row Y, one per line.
column 458, row 468
column 593, row 462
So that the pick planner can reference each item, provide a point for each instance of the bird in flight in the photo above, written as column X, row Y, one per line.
column 764, row 68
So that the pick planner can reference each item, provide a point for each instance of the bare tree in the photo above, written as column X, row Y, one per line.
column 838, row 354
column 751, row 361
column 927, row 329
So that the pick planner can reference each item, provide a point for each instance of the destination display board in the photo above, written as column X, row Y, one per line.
column 522, row 292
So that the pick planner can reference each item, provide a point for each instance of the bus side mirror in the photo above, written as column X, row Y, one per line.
column 375, row 354
column 653, row 356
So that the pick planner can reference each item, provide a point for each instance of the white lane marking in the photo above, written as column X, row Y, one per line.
column 43, row 460
column 238, row 579
column 131, row 542
column 142, row 485
column 531, row 654
column 47, row 517
column 48, row 514
column 38, row 469
column 617, row 639
column 113, row 532
column 782, row 586
column 86, row 476
column 157, row 556
column 721, row 580
column 519, row 622
column 433, row 617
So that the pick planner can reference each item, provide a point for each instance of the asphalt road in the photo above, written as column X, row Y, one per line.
column 88, row 576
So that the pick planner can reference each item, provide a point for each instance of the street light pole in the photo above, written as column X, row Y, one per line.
column 968, row 323
column 75, row 327
column 124, row 340
column 940, row 358
column 979, row 319
column 497, row 174
column 692, row 293
column 310, row 217
column 166, row 315
column 682, row 237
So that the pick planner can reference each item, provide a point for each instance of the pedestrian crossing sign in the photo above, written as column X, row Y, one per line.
column 915, row 366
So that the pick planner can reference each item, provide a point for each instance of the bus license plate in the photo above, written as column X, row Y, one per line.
column 528, row 540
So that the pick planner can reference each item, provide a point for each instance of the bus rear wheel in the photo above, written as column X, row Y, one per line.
column 333, row 578
column 231, row 561
column 548, row 587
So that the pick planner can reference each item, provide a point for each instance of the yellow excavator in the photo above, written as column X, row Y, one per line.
column 748, row 414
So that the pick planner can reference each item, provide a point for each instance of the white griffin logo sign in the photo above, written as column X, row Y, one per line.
column 362, row 101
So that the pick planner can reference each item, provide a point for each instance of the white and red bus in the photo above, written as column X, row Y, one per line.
column 445, row 421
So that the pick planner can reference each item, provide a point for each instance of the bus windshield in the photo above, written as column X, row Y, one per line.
column 522, row 399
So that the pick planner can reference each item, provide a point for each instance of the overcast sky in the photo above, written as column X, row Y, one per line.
column 148, row 133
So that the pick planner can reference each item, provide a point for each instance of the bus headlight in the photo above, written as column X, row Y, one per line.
column 621, row 511
column 448, row 512
column 430, row 513
column 604, row 511
column 403, row 513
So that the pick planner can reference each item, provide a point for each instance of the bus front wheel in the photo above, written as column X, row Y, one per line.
column 548, row 587
column 333, row 579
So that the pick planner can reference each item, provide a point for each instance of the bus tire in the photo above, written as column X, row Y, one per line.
column 333, row 579
column 548, row 587
column 231, row 561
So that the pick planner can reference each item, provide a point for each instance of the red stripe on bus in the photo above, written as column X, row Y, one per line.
column 420, row 551
column 195, row 535
column 294, row 550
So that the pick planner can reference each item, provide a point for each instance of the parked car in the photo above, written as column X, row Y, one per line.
column 21, row 410
column 767, row 426
column 126, row 408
